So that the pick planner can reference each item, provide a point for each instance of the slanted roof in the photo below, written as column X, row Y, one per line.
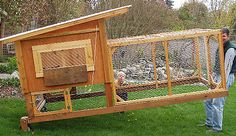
column 96, row 16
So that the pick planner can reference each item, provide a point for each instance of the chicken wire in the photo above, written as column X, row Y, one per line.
column 81, row 98
column 191, row 63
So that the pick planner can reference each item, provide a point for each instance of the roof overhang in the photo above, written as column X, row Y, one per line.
column 101, row 15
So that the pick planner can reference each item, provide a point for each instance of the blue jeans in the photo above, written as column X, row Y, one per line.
column 214, row 107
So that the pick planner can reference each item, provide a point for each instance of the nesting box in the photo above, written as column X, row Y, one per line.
column 69, row 69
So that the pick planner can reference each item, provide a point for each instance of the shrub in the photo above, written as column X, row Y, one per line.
column 10, row 67
column 3, row 69
column 10, row 82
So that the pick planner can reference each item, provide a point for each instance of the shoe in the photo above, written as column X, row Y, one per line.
column 213, row 131
column 203, row 124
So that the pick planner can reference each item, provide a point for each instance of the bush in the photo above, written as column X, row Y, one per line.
column 3, row 69
column 10, row 82
column 10, row 67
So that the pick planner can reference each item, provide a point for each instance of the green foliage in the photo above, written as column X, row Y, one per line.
column 14, row 82
column 3, row 59
column 194, row 15
column 10, row 67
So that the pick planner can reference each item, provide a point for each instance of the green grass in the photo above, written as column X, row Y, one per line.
column 174, row 120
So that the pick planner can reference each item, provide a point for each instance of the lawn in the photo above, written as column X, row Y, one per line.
column 174, row 120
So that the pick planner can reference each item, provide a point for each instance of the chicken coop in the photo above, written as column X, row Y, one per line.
column 69, row 69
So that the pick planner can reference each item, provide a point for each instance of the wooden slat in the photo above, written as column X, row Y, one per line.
column 38, row 114
column 71, row 53
column 63, row 76
column 222, row 64
column 29, row 104
column 161, row 84
column 21, row 68
column 208, row 58
column 109, row 86
column 119, row 99
column 154, row 62
column 187, row 34
column 179, row 97
column 59, row 97
column 135, row 105
column 97, row 16
column 198, row 63
column 165, row 44
column 64, row 34
column 67, row 100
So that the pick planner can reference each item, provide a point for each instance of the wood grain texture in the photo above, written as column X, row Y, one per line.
column 37, row 84
column 67, row 75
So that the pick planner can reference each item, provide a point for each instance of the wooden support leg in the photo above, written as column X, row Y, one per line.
column 24, row 123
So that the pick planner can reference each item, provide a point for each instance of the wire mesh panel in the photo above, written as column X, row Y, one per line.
column 56, row 101
column 70, row 99
column 182, row 58
column 215, row 72
column 155, row 67
column 203, row 56
column 88, row 97
column 136, row 62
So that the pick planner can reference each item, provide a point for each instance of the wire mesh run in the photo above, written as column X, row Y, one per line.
column 70, row 99
column 160, row 68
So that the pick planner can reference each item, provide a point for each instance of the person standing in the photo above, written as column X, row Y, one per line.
column 214, row 107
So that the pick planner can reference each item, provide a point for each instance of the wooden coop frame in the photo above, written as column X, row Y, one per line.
column 87, row 37
column 193, row 34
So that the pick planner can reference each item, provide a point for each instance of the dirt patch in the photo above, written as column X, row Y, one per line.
column 10, row 92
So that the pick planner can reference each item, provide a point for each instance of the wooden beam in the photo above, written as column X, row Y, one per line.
column 21, row 68
column 198, row 62
column 135, row 105
column 119, row 99
column 165, row 44
column 154, row 62
column 160, row 37
column 162, row 84
column 208, row 57
column 92, row 30
column 107, row 64
column 222, row 63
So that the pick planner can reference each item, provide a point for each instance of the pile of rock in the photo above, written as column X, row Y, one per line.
column 144, row 70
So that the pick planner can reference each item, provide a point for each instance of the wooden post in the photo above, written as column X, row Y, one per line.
column 23, row 81
column 222, row 63
column 107, row 64
column 165, row 43
column 198, row 63
column 154, row 62
column 24, row 124
column 68, row 105
column 208, row 59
